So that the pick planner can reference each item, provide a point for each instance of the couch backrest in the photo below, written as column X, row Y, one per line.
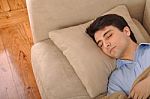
column 47, row 15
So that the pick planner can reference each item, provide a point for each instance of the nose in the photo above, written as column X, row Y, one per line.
column 107, row 44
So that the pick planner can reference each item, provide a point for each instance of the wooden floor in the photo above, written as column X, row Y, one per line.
column 16, row 76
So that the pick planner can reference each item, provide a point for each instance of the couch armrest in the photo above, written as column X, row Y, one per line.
column 146, row 18
column 55, row 77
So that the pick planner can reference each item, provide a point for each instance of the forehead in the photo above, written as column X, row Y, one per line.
column 101, row 32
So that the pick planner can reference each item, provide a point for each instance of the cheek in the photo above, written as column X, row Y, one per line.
column 106, row 52
column 114, row 39
column 120, row 40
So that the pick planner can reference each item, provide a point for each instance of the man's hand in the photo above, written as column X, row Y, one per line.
column 141, row 90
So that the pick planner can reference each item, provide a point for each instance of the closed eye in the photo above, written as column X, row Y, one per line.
column 108, row 35
column 99, row 43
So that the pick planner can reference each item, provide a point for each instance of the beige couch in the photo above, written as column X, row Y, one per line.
column 61, row 67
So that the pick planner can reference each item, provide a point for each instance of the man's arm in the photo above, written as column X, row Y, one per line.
column 141, row 90
column 114, row 85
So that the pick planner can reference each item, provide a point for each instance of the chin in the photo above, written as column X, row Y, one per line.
column 115, row 56
column 111, row 56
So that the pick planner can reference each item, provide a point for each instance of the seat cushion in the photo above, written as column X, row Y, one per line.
column 55, row 77
column 91, row 65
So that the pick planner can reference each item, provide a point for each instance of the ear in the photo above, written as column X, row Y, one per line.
column 126, row 30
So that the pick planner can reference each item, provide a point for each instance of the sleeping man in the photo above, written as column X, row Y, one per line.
column 114, row 37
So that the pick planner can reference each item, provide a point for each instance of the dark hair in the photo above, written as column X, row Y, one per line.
column 107, row 20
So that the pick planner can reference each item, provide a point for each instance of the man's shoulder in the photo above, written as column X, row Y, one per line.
column 144, row 45
column 116, row 74
column 144, row 49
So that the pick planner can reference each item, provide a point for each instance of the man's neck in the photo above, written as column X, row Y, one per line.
column 130, row 51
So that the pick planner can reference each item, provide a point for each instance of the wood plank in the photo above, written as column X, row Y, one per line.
column 16, row 41
column 8, row 89
column 12, row 49
column 28, row 32
column 4, row 6
column 16, row 4
column 3, row 92
column 18, row 45
column 13, row 17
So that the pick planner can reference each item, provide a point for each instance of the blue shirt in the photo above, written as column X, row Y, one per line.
column 127, row 71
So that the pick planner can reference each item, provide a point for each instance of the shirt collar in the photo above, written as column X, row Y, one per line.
column 121, row 62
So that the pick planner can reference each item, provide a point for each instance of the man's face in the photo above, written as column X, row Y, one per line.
column 112, row 41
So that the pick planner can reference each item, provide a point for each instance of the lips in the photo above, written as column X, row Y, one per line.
column 112, row 49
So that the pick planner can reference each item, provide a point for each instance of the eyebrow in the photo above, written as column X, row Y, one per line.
column 103, row 36
column 106, row 33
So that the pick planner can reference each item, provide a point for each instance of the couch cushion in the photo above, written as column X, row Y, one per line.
column 142, row 29
column 55, row 77
column 48, row 15
column 146, row 18
column 90, row 64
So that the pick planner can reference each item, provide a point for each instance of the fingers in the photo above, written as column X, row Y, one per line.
column 131, row 94
column 140, row 97
column 135, row 96
column 146, row 96
column 138, row 94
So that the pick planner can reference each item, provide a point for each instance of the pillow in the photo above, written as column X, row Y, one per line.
column 91, row 65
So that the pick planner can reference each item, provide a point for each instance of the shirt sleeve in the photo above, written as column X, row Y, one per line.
column 144, row 56
column 114, row 85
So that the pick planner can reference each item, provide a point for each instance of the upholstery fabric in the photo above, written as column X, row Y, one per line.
column 142, row 30
column 146, row 18
column 55, row 77
column 50, row 15
column 90, row 64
